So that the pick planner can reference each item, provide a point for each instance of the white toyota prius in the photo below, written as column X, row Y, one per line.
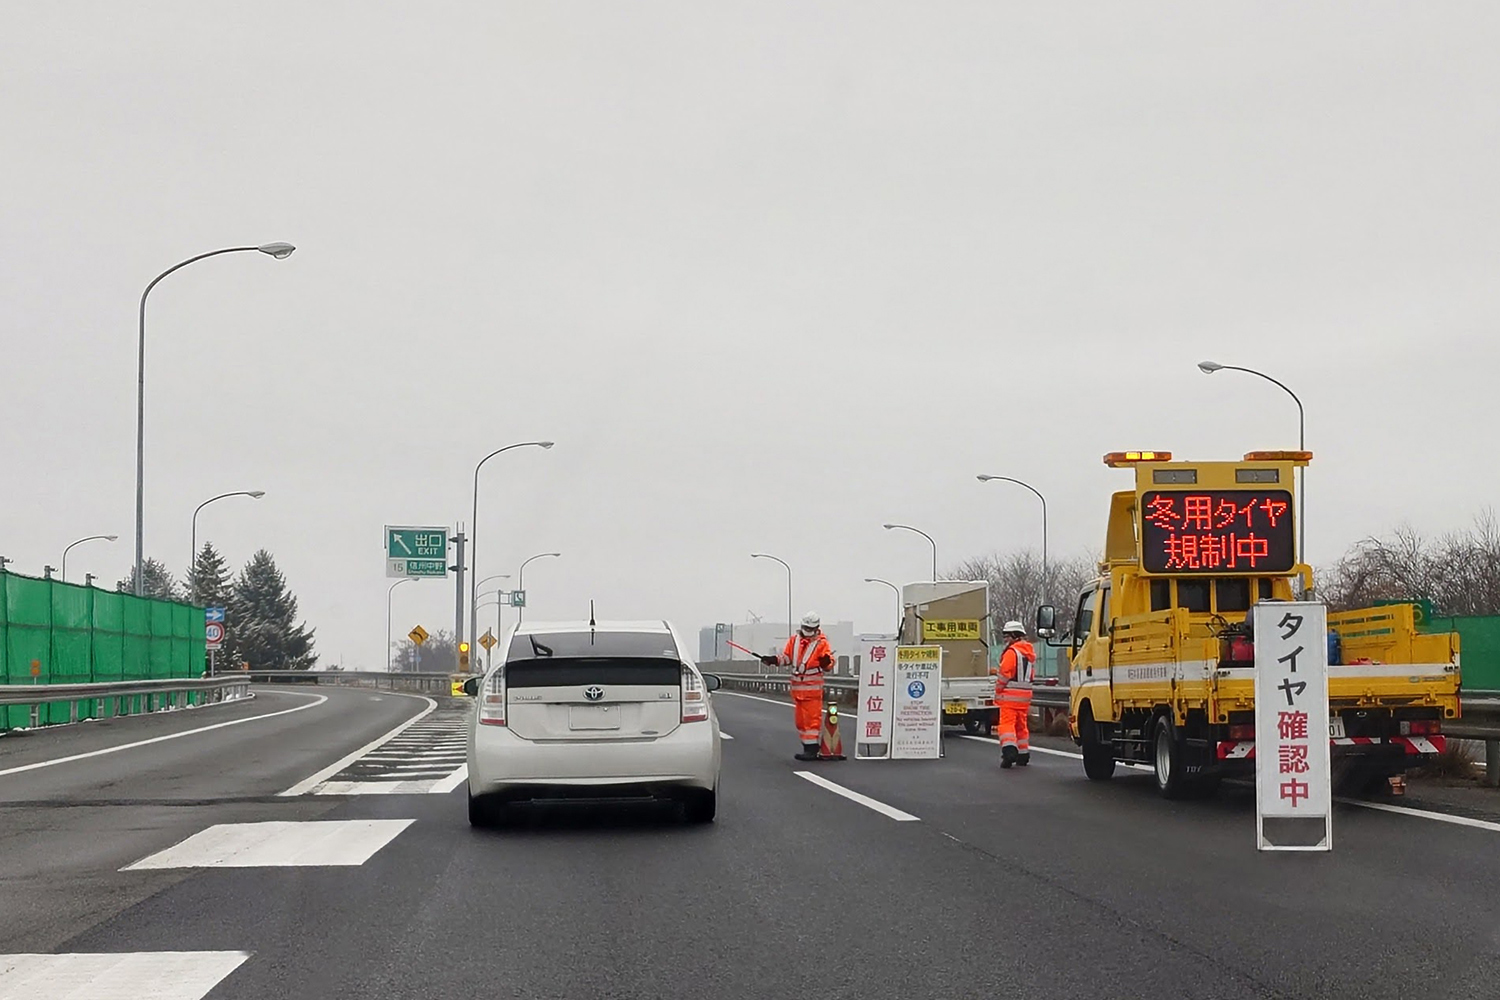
column 593, row 710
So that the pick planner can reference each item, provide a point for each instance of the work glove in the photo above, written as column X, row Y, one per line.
column 825, row 661
column 768, row 660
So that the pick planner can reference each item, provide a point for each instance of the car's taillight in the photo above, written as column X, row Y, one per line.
column 1421, row 727
column 694, row 697
column 1242, row 732
column 492, row 701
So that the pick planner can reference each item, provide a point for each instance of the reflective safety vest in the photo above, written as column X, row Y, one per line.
column 1017, row 669
column 803, row 656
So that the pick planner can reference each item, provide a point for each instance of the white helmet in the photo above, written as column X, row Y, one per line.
column 812, row 621
column 1013, row 628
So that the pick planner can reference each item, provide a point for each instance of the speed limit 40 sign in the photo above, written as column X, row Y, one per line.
column 213, row 633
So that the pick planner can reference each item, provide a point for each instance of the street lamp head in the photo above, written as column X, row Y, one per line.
column 888, row 527
column 281, row 251
column 1209, row 367
column 257, row 494
column 111, row 538
column 546, row 444
column 984, row 479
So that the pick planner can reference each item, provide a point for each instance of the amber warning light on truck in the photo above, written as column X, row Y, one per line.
column 1217, row 531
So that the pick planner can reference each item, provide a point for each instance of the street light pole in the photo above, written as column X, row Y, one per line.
column 925, row 535
column 1033, row 489
column 279, row 251
column 193, row 555
column 474, row 530
column 474, row 608
column 64, row 572
column 388, row 591
column 1208, row 368
column 791, row 623
column 521, row 579
column 900, row 604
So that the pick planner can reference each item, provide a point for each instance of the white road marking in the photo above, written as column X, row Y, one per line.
column 853, row 796
column 318, row 699
column 724, row 736
column 307, row 784
column 278, row 844
column 1428, row 814
column 993, row 741
column 161, row 975
column 445, row 785
column 1437, row 817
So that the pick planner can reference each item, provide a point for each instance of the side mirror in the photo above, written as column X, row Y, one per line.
column 712, row 681
column 1046, row 620
column 471, row 687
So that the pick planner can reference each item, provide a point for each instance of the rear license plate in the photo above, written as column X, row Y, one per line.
column 1336, row 728
column 594, row 717
column 956, row 708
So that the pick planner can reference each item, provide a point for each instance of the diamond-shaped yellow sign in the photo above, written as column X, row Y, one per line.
column 417, row 635
column 487, row 641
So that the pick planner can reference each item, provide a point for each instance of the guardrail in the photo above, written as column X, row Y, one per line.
column 118, row 698
column 379, row 679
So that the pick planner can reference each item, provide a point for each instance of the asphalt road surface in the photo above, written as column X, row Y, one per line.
column 950, row 878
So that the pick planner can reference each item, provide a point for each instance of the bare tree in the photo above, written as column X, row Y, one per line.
column 1459, row 572
column 1016, row 585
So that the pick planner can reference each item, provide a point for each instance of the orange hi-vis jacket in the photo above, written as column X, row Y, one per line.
column 806, row 656
column 1017, row 665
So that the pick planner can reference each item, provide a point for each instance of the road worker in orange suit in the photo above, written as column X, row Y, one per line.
column 1013, row 695
column 808, row 656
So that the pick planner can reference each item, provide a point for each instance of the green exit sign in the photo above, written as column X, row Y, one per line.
column 416, row 551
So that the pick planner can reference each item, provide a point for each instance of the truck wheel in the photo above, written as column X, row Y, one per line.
column 971, row 726
column 1167, row 761
column 1098, row 756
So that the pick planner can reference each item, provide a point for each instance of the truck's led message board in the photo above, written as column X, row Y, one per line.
column 1217, row 531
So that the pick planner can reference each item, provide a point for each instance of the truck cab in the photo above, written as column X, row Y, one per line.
column 1162, row 656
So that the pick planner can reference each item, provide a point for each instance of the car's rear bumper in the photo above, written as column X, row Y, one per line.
column 500, row 762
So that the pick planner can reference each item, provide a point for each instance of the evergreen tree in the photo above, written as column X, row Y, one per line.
column 159, row 582
column 208, row 584
column 263, row 619
column 208, row 581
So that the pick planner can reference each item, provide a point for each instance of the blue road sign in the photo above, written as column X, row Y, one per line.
column 213, row 614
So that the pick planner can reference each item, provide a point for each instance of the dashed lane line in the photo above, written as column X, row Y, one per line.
column 853, row 796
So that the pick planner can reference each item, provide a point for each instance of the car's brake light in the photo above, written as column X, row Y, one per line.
column 694, row 697
column 1421, row 727
column 492, row 701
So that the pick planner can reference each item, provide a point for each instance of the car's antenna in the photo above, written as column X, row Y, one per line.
column 592, row 623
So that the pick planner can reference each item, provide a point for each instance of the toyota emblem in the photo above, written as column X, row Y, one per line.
column 593, row 693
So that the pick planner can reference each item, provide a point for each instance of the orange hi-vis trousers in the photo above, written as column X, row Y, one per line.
column 808, row 706
column 1015, row 706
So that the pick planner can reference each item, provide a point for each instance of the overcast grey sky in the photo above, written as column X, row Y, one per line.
column 769, row 273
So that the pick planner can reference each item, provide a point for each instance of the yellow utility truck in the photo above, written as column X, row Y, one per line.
column 1162, row 655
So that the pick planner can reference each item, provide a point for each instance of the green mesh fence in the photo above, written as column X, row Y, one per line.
column 1478, row 649
column 60, row 633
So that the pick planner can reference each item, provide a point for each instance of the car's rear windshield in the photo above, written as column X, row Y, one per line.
column 570, row 645
column 653, row 671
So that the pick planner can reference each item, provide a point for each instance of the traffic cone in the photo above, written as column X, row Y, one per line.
column 830, row 743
